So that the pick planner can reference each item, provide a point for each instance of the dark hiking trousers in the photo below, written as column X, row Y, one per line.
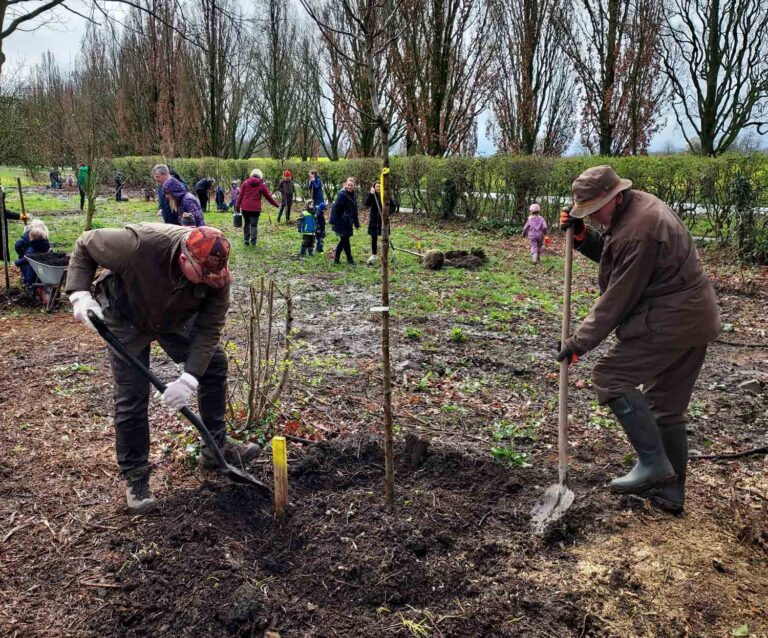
column 345, row 246
column 285, row 205
column 131, row 393
column 203, row 197
column 250, row 227
column 667, row 376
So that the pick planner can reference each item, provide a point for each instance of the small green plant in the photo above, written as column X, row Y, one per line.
column 504, row 430
column 601, row 419
column 509, row 455
column 698, row 409
column 424, row 381
column 76, row 368
column 457, row 335
column 413, row 333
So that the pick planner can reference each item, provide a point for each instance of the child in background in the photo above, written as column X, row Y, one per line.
column 221, row 205
column 320, row 225
column 286, row 190
column 34, row 240
column 535, row 230
column 187, row 219
column 307, row 228
column 234, row 192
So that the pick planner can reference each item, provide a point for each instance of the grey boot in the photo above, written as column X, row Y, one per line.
column 653, row 467
column 236, row 453
column 672, row 497
column 137, row 493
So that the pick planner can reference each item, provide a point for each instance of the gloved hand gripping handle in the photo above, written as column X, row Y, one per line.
column 118, row 346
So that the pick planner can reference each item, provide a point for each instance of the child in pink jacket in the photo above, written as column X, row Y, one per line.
column 535, row 230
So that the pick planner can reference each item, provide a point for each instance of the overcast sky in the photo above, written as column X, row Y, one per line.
column 63, row 36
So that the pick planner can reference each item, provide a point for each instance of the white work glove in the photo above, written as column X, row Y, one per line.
column 177, row 394
column 82, row 301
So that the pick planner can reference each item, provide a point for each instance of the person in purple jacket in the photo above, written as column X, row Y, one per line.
column 182, row 201
column 535, row 230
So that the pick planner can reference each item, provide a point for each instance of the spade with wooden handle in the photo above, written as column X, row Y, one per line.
column 558, row 497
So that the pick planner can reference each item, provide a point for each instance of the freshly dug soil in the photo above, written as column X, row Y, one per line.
column 51, row 259
column 343, row 559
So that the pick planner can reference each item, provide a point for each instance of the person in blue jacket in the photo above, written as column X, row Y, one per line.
column 182, row 201
column 315, row 188
column 343, row 218
column 34, row 240
column 307, row 229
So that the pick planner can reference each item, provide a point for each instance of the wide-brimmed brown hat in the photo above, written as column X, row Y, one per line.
column 594, row 188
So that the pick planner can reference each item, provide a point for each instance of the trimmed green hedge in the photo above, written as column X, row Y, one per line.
column 708, row 193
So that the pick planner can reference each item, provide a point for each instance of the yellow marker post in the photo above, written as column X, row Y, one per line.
column 384, row 171
column 280, row 463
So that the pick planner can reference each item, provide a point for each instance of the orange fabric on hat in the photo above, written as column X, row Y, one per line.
column 208, row 247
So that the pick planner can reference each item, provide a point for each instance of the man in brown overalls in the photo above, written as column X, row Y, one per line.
column 661, row 304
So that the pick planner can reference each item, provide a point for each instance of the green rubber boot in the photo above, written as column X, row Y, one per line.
column 653, row 467
column 671, row 498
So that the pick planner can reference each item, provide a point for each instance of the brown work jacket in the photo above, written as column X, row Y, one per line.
column 143, row 285
column 652, row 282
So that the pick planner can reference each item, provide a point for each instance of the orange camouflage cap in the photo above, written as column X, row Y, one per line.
column 208, row 247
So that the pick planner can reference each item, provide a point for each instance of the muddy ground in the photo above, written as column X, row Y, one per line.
column 453, row 557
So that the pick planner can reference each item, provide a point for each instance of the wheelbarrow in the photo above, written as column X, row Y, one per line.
column 52, row 276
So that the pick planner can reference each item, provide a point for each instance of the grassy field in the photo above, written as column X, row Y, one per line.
column 490, row 297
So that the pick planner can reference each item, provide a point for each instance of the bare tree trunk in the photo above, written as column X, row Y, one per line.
column 383, row 124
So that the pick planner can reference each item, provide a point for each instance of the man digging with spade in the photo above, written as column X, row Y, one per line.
column 661, row 304
column 168, row 284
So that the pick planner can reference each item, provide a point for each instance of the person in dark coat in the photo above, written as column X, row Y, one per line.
column 182, row 202
column 119, row 181
column 34, row 240
column 343, row 218
column 319, row 211
column 202, row 190
column 160, row 173
column 286, row 190
column 221, row 205
column 55, row 178
column 373, row 202
column 315, row 188
column 249, row 204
